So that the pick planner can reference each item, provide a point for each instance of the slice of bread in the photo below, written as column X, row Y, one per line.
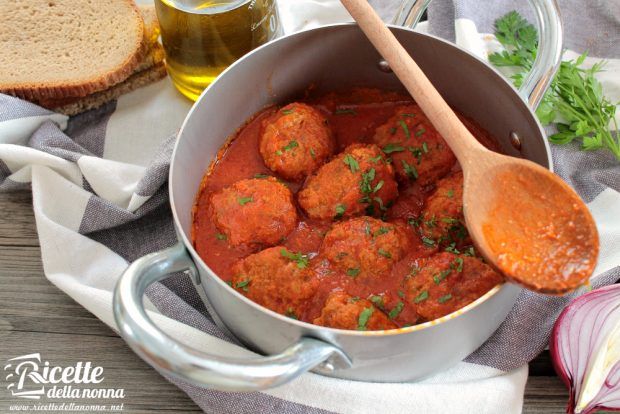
column 135, row 81
column 61, row 48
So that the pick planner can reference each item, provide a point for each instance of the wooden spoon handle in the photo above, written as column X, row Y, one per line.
column 460, row 140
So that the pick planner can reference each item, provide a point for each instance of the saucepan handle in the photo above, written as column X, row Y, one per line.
column 550, row 35
column 196, row 367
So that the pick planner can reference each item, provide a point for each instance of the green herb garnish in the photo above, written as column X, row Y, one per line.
column 457, row 264
column 340, row 210
column 378, row 301
column 428, row 242
column 384, row 253
column 421, row 297
column 244, row 200
column 220, row 236
column 438, row 278
column 290, row 146
column 390, row 148
column 312, row 153
column 301, row 259
column 378, row 186
column 261, row 175
column 243, row 285
column 410, row 171
column 450, row 193
column 352, row 163
column 362, row 320
column 444, row 298
column 575, row 94
column 287, row 111
column 396, row 310
column 405, row 128
column 381, row 231
column 420, row 132
column 353, row 272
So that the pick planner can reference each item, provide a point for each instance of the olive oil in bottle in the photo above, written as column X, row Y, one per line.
column 201, row 38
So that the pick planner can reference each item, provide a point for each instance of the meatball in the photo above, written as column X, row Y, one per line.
column 254, row 212
column 417, row 150
column 365, row 248
column 346, row 312
column 356, row 182
column 278, row 279
column 296, row 141
column 442, row 221
column 445, row 282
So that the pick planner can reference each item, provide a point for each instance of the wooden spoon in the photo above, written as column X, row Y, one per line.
column 523, row 219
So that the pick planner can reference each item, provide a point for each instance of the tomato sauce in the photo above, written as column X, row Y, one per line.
column 550, row 245
column 353, row 117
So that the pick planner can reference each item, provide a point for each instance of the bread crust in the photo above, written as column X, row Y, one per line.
column 35, row 92
column 98, row 99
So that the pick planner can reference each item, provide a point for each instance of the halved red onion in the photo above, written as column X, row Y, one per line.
column 585, row 347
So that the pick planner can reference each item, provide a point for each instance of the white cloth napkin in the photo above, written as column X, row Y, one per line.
column 87, row 270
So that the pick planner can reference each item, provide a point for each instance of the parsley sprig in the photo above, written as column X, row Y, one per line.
column 575, row 99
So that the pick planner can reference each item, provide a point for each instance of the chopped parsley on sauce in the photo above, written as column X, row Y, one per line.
column 457, row 264
column 421, row 297
column 438, row 278
column 243, row 285
column 299, row 258
column 384, row 253
column 378, row 301
column 396, row 310
column 416, row 152
column 244, row 200
column 362, row 320
column 405, row 128
column 378, row 186
column 353, row 272
column 390, row 148
column 410, row 171
column 352, row 163
column 444, row 298
column 261, row 175
column 420, row 132
column 220, row 236
column 287, row 111
column 428, row 242
column 340, row 210
column 290, row 146
column 381, row 231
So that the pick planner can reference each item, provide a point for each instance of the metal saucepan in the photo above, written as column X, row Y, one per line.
column 331, row 58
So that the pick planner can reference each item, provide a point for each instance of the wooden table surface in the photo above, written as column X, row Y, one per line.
column 35, row 316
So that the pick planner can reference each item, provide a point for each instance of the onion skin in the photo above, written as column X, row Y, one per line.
column 580, row 304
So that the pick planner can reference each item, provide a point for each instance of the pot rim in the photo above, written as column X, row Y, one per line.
column 306, row 325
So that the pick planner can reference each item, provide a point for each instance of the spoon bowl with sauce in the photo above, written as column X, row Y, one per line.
column 523, row 219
